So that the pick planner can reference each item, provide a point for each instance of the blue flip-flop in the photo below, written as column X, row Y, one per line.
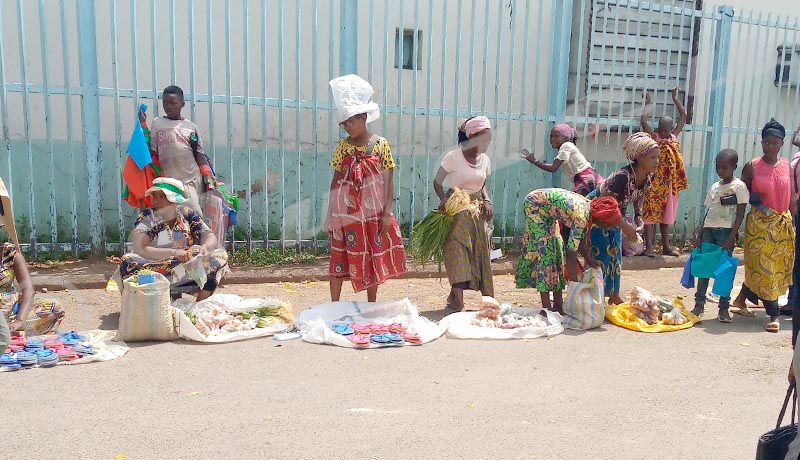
column 379, row 338
column 393, row 338
column 342, row 329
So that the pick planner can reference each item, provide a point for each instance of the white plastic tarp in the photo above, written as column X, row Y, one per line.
column 459, row 326
column 316, row 322
column 231, row 303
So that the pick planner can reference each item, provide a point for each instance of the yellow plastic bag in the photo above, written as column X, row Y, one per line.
column 623, row 315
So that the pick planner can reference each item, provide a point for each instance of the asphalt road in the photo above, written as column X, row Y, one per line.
column 705, row 393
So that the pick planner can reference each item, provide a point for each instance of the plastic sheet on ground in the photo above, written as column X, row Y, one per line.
column 103, row 344
column 315, row 323
column 231, row 303
column 459, row 326
column 623, row 315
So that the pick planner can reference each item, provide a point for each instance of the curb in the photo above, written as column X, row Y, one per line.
column 298, row 273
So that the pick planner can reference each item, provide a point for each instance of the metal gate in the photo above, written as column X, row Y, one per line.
column 255, row 75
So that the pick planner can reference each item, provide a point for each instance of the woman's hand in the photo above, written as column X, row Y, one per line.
column 675, row 92
column 528, row 156
column 639, row 223
column 442, row 204
column 16, row 325
column 204, row 251
column 647, row 98
column 488, row 210
column 183, row 255
column 591, row 262
column 386, row 223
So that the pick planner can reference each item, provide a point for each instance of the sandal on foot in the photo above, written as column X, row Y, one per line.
column 773, row 326
column 672, row 253
column 724, row 316
column 649, row 254
column 744, row 311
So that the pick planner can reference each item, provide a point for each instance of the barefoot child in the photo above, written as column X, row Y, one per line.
column 584, row 177
column 661, row 201
column 726, row 202
column 366, row 244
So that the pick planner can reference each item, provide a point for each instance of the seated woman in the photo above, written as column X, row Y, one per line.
column 20, row 313
column 164, row 237
column 541, row 263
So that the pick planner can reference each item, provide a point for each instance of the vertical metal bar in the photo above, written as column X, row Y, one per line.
column 797, row 82
column 153, row 55
column 4, row 106
column 753, row 81
column 211, row 125
column 522, row 101
column 716, row 108
column 192, row 87
column 753, row 89
column 600, row 61
column 249, row 173
column 742, row 96
column 612, row 82
column 91, row 124
column 471, row 57
column 26, row 124
column 332, row 120
column 579, row 68
column 458, row 62
column 500, row 6
column 559, row 67
column 695, row 41
column 537, row 68
column 400, row 50
column 761, row 91
column 297, row 69
column 442, row 84
column 314, row 127
column 625, row 56
column 415, row 69
column 65, row 63
column 48, row 129
column 485, row 53
column 280, row 128
column 429, row 66
column 370, row 59
column 509, row 107
column 172, row 72
column 348, row 44
column 228, row 105
column 386, row 58
column 264, row 70
column 117, row 125
column 786, row 145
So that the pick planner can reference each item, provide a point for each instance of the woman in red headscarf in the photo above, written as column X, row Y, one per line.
column 544, row 250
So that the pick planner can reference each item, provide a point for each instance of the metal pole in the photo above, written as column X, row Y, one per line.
column 348, row 35
column 90, row 104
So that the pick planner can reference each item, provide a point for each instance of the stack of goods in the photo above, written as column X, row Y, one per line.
column 428, row 237
column 219, row 320
column 46, row 351
column 653, row 309
column 492, row 315
column 364, row 334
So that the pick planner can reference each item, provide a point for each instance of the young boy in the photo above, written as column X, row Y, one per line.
column 726, row 202
column 177, row 143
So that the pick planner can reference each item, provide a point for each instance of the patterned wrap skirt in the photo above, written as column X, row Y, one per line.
column 466, row 253
column 768, row 253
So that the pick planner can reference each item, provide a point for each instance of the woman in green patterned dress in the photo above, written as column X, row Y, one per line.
column 541, row 264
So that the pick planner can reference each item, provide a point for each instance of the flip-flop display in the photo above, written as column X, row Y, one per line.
column 45, row 351
column 363, row 334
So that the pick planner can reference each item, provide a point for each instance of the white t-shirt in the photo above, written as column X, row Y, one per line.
column 464, row 175
column 170, row 139
column 574, row 161
column 720, row 216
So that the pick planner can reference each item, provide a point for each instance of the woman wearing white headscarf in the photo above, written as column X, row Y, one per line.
column 466, row 250
column 366, row 243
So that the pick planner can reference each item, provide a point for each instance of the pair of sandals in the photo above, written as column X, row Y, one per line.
column 386, row 339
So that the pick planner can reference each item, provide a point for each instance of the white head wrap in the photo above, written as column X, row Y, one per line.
column 352, row 94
